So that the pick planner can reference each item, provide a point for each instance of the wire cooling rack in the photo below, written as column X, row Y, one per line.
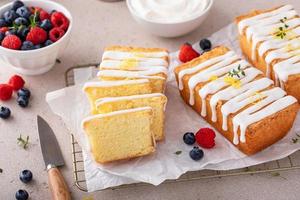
column 291, row 162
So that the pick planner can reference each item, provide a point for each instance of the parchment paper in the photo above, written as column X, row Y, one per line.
column 72, row 106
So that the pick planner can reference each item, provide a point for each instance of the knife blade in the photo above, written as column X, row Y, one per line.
column 50, row 149
column 53, row 158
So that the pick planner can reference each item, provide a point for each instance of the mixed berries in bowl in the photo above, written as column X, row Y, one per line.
column 33, row 34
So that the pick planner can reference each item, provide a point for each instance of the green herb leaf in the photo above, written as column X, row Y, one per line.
column 275, row 174
column 178, row 152
column 23, row 142
column 1, row 170
column 58, row 61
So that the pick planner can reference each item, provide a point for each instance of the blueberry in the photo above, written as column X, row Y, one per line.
column 26, row 176
column 196, row 153
column 24, row 92
column 205, row 45
column 38, row 46
column 21, row 21
column 27, row 45
column 2, row 23
column 17, row 4
column 22, row 32
column 23, row 101
column 23, row 12
column 4, row 112
column 22, row 195
column 2, row 35
column 189, row 138
column 9, row 16
column 48, row 42
column 46, row 24
column 11, row 32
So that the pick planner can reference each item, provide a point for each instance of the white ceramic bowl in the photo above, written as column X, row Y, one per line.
column 39, row 61
column 170, row 29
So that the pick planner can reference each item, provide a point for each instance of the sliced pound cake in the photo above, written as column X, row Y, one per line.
column 100, row 89
column 120, row 135
column 156, row 77
column 156, row 101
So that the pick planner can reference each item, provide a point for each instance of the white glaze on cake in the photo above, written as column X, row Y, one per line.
column 254, row 94
column 261, row 31
column 113, row 83
column 122, row 73
column 121, row 55
column 139, row 65
column 132, row 97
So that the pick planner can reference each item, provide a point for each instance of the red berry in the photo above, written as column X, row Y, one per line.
column 5, row 92
column 16, row 82
column 205, row 137
column 58, row 19
column 12, row 42
column 55, row 34
column 3, row 29
column 44, row 15
column 187, row 53
column 37, row 35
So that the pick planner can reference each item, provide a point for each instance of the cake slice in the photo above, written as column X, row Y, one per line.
column 120, row 135
column 156, row 77
column 270, row 39
column 236, row 98
column 99, row 89
column 156, row 101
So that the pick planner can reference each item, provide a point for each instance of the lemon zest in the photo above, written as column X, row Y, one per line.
column 129, row 63
column 213, row 78
column 236, row 83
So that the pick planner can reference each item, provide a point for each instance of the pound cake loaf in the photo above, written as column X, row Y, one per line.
column 237, row 99
column 270, row 39
column 120, row 135
column 156, row 101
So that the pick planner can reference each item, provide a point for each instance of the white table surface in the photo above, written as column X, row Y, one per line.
column 97, row 24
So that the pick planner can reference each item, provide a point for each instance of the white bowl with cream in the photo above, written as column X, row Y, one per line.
column 169, row 18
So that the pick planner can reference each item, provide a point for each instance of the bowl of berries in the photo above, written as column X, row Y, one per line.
column 33, row 34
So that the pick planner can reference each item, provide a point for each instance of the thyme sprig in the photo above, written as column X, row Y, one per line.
column 237, row 72
column 296, row 139
column 23, row 142
column 178, row 152
column 282, row 29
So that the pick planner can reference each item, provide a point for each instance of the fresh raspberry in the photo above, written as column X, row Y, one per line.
column 12, row 42
column 5, row 92
column 3, row 29
column 205, row 137
column 56, row 33
column 16, row 82
column 58, row 19
column 187, row 53
column 44, row 15
column 37, row 35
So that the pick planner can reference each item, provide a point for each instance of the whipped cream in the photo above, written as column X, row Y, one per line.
column 168, row 11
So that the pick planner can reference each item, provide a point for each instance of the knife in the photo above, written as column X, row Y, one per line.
column 53, row 159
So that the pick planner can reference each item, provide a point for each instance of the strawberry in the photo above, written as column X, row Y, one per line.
column 56, row 33
column 58, row 19
column 37, row 35
column 4, row 29
column 205, row 137
column 12, row 42
column 44, row 15
column 187, row 53
column 16, row 82
column 5, row 92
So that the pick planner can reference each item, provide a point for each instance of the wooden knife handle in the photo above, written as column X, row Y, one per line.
column 57, row 184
